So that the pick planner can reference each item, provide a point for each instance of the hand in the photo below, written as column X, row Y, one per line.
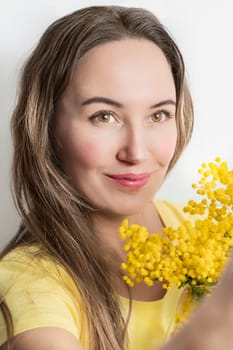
column 211, row 325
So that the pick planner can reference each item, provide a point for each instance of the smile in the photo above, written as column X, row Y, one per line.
column 130, row 181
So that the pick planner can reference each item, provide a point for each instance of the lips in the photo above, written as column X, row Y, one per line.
column 131, row 180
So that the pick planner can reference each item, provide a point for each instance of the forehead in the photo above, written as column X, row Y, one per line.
column 122, row 68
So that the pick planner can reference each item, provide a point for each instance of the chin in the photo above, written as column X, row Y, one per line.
column 124, row 209
column 123, row 204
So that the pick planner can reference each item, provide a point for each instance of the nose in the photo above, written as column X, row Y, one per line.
column 133, row 148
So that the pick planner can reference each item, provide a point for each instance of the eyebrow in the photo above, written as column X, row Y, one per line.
column 109, row 101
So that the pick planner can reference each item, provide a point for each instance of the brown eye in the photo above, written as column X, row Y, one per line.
column 103, row 117
column 160, row 116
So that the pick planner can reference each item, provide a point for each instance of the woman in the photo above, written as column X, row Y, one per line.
column 103, row 114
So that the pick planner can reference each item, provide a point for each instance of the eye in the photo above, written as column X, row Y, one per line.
column 161, row 116
column 104, row 117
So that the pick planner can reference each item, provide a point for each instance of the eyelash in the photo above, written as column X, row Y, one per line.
column 167, row 114
column 95, row 116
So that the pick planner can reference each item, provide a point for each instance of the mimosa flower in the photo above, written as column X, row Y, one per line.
column 194, row 254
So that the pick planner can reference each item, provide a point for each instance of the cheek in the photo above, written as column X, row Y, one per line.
column 89, row 154
column 86, row 154
column 168, row 149
column 166, row 144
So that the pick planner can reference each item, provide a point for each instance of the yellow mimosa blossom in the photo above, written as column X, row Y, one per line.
column 193, row 254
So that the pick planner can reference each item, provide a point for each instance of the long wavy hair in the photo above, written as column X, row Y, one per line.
column 53, row 213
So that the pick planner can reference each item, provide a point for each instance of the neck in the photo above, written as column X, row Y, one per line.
column 107, row 226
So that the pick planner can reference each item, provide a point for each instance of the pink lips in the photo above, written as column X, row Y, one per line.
column 131, row 181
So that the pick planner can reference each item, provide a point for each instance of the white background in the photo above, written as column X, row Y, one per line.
column 204, row 32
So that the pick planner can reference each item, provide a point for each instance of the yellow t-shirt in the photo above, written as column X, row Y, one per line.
column 40, row 293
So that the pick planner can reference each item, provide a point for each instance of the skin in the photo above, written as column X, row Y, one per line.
column 133, row 138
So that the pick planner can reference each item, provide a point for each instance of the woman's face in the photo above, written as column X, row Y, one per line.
column 115, row 125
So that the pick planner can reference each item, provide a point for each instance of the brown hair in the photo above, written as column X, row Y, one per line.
column 53, row 213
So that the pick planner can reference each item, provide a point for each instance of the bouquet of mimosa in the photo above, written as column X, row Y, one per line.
column 194, row 254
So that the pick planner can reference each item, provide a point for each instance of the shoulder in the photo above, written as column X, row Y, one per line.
column 32, row 262
column 50, row 338
column 172, row 214
column 38, row 292
column 28, row 266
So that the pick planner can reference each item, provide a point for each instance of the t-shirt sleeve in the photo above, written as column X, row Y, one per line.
column 36, row 298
